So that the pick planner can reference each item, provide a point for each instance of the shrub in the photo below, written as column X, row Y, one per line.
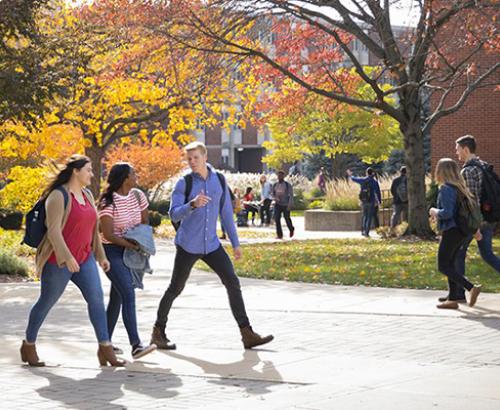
column 25, row 188
column 317, row 204
column 316, row 192
column 154, row 218
column 342, row 195
column 11, row 264
column 299, row 202
column 161, row 206
column 11, row 241
column 11, row 219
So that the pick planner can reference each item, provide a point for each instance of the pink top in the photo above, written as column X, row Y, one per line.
column 79, row 230
column 125, row 211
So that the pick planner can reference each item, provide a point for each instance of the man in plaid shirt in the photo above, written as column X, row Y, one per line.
column 473, row 175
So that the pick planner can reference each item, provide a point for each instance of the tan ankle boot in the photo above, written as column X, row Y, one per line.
column 29, row 355
column 251, row 339
column 106, row 355
column 159, row 338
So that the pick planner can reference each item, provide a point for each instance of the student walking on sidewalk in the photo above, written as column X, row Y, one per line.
column 68, row 251
column 283, row 202
column 196, row 238
column 122, row 207
column 452, row 189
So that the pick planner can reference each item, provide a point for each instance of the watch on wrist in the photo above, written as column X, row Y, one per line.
column 192, row 204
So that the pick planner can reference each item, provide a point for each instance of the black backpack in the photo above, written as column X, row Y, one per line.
column 490, row 194
column 35, row 221
column 402, row 190
column 468, row 215
column 364, row 194
column 188, row 180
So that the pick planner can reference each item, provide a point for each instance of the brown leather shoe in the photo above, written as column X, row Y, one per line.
column 29, row 355
column 106, row 355
column 160, row 339
column 445, row 298
column 251, row 339
column 474, row 293
column 449, row 304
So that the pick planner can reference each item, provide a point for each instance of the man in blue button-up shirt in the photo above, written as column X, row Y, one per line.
column 197, row 239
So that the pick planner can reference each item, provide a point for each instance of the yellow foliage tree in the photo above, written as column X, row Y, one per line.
column 25, row 189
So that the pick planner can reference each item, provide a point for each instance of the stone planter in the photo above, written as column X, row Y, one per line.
column 322, row 220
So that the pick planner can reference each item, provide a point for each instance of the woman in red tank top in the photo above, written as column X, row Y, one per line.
column 67, row 252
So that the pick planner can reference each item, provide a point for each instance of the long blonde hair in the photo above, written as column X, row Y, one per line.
column 447, row 172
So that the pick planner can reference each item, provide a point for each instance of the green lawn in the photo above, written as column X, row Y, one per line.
column 385, row 263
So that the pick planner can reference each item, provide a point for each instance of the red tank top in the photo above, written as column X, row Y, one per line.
column 79, row 230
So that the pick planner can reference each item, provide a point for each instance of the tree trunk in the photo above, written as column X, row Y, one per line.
column 340, row 163
column 96, row 155
column 418, row 219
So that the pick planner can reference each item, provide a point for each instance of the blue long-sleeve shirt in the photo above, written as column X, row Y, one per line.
column 447, row 207
column 375, row 195
column 198, row 230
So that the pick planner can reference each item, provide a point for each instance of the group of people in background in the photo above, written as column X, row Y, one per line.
column 460, row 201
column 115, row 234
column 276, row 201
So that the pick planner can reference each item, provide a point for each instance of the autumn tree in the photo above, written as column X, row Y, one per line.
column 303, row 123
column 420, row 61
column 34, row 64
column 153, row 164
column 138, row 84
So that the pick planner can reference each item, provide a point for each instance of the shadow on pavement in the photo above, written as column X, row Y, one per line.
column 493, row 322
column 106, row 387
column 254, row 381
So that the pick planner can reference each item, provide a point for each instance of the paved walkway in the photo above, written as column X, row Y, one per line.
column 336, row 347
column 300, row 233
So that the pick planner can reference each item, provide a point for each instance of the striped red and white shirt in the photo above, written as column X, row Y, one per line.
column 125, row 211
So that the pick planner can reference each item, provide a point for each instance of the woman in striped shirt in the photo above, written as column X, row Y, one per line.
column 121, row 207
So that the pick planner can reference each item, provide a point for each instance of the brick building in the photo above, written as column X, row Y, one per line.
column 480, row 115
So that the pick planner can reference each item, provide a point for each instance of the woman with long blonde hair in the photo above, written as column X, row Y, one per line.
column 451, row 187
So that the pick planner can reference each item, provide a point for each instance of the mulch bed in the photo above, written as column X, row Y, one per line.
column 13, row 278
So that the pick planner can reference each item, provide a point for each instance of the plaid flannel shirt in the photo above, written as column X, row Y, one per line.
column 473, row 176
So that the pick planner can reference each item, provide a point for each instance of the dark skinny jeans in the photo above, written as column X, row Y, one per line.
column 220, row 263
column 451, row 242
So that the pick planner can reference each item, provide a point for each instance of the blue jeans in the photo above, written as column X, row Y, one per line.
column 53, row 283
column 366, row 220
column 121, row 295
column 485, row 246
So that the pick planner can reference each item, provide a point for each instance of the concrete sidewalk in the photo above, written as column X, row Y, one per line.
column 335, row 348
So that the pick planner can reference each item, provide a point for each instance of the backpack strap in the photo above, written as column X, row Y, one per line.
column 65, row 195
column 188, row 182
column 223, row 184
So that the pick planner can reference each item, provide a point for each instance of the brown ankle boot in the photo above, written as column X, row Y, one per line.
column 251, row 339
column 106, row 355
column 29, row 355
column 159, row 338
